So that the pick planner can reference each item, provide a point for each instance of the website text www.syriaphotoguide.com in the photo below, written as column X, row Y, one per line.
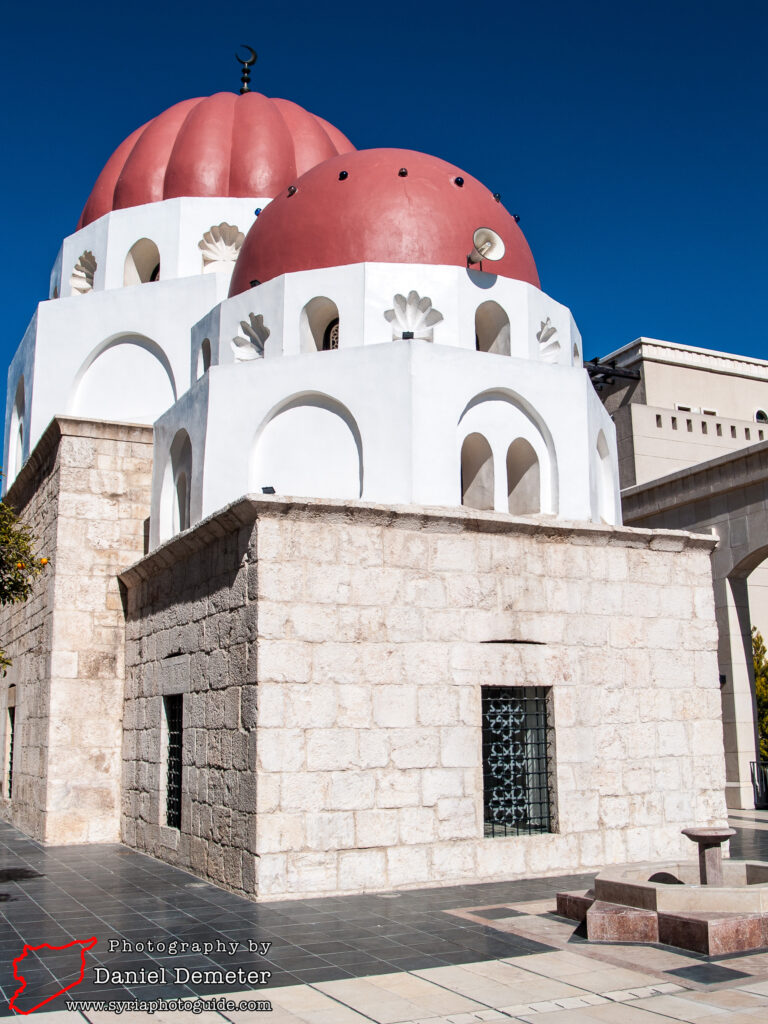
column 150, row 1006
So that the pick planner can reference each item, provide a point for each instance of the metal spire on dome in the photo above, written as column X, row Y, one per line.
column 245, row 78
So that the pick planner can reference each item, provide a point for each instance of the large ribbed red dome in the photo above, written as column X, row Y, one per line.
column 362, row 208
column 221, row 145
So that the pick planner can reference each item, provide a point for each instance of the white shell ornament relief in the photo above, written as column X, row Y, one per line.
column 220, row 246
column 250, row 345
column 413, row 317
column 81, row 280
column 549, row 345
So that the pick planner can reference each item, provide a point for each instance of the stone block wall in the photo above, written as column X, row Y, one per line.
column 25, row 634
column 85, row 492
column 332, row 657
column 191, row 629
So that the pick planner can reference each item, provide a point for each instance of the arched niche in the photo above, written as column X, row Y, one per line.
column 523, row 479
column 319, row 325
column 16, row 434
column 204, row 358
column 127, row 379
column 492, row 329
column 309, row 446
column 606, row 503
column 175, row 495
column 504, row 417
column 477, row 483
column 142, row 264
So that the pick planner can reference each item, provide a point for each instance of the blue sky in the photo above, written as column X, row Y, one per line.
column 629, row 136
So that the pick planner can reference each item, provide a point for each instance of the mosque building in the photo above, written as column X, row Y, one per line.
column 339, row 596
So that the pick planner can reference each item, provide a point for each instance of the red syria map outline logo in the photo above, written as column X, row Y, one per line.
column 85, row 944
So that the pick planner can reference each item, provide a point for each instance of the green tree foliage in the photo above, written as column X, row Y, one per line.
column 18, row 564
column 760, row 661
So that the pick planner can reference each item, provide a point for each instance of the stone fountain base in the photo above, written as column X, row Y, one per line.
column 664, row 903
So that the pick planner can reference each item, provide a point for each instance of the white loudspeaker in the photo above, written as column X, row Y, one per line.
column 487, row 245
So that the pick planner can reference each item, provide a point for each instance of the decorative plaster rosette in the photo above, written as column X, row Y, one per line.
column 81, row 280
column 220, row 246
column 251, row 345
column 413, row 316
column 549, row 345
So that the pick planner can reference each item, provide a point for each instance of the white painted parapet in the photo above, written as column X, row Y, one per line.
column 386, row 424
column 187, row 235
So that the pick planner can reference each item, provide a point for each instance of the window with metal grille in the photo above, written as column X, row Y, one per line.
column 331, row 336
column 11, row 729
column 173, row 719
column 516, row 796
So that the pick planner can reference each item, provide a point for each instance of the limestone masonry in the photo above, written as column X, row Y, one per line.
column 332, row 657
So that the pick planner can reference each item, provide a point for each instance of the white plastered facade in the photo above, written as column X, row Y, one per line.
column 100, row 348
column 383, row 417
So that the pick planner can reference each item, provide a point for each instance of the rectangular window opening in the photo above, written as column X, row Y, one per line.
column 517, row 745
column 719, row 429
column 703, row 427
column 658, row 420
column 747, row 433
column 689, row 424
column 733, row 431
column 760, row 435
column 11, row 737
column 674, row 422
column 709, row 412
column 174, row 707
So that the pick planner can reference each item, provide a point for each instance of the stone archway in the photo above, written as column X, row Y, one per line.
column 727, row 496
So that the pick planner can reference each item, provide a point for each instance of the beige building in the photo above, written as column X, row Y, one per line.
column 692, row 435
column 689, row 405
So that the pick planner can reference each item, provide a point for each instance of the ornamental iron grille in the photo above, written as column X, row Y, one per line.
column 515, row 761
column 173, row 717
column 11, row 727
column 331, row 336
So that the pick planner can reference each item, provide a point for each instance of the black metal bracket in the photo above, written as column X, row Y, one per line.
column 601, row 373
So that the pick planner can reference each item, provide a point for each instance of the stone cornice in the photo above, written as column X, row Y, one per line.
column 247, row 510
column 671, row 354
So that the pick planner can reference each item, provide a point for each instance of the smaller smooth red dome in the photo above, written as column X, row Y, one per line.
column 379, row 206
column 222, row 145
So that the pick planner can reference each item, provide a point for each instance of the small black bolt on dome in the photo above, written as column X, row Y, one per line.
column 292, row 190
column 517, row 217
column 403, row 172
column 257, row 211
column 459, row 182
column 497, row 196
column 254, row 283
column 245, row 77
column 343, row 175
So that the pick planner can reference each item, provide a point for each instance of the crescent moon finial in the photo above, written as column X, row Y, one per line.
column 245, row 78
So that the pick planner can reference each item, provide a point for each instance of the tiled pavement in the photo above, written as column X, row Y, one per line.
column 461, row 954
